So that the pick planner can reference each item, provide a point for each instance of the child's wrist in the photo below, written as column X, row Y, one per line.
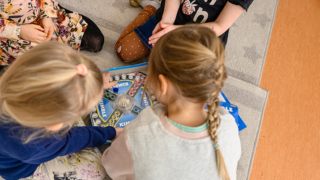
column 168, row 20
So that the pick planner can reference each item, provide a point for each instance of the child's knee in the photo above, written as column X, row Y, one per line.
column 125, row 55
column 124, row 51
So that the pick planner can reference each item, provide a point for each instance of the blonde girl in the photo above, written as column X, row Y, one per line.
column 42, row 95
column 180, row 139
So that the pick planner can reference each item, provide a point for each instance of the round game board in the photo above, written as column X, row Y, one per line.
column 109, row 112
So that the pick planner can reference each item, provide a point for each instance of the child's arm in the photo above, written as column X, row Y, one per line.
column 169, row 15
column 77, row 139
column 226, row 18
column 117, row 159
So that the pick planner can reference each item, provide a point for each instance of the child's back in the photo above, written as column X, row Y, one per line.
column 152, row 148
column 178, row 140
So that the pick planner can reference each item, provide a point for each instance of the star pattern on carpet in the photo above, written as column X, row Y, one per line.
column 251, row 53
column 261, row 19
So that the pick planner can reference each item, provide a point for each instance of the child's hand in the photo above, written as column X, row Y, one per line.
column 118, row 132
column 33, row 33
column 48, row 26
column 160, row 30
column 106, row 83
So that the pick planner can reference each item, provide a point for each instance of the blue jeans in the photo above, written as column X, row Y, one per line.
column 144, row 32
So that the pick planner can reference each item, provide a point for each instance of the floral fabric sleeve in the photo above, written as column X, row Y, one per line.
column 48, row 8
column 9, row 29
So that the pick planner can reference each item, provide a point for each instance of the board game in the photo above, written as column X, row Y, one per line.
column 123, row 102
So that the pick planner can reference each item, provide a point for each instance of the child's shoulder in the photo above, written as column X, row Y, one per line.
column 146, row 117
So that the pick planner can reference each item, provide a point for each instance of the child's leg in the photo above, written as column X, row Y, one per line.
column 129, row 46
column 93, row 38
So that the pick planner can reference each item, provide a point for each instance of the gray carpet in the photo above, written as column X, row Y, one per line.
column 251, row 101
column 246, row 52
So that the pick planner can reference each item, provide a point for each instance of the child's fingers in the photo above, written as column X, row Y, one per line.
column 156, row 29
column 38, row 28
column 153, row 41
column 46, row 30
column 107, row 75
column 113, row 84
column 155, row 37
column 40, row 39
column 41, row 34
column 49, row 34
column 109, row 85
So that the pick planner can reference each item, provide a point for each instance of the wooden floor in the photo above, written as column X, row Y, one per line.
column 289, row 144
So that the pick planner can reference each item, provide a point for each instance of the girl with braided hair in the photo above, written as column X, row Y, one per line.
column 43, row 95
column 180, row 139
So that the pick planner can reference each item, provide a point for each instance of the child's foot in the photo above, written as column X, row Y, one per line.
column 144, row 3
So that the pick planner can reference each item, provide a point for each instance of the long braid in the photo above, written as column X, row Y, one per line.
column 214, row 119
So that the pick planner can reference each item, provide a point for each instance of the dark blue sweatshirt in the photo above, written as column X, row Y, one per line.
column 19, row 160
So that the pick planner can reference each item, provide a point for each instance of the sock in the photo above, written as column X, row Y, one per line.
column 153, row 3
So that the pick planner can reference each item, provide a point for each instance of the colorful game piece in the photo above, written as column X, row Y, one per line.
column 115, row 90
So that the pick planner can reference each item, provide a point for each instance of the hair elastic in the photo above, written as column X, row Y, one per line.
column 82, row 69
column 217, row 146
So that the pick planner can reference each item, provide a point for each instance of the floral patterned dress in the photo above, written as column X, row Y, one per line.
column 69, row 27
